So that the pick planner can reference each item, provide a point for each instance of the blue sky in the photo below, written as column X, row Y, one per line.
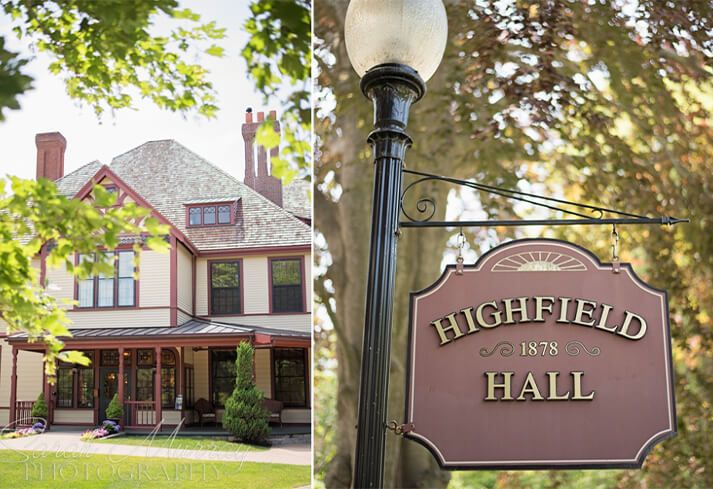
column 48, row 108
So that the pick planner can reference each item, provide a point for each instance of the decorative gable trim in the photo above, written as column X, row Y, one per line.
column 126, row 190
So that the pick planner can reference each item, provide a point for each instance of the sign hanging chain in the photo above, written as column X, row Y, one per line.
column 614, row 244
column 459, row 258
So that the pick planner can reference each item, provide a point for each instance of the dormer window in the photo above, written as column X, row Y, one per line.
column 210, row 214
column 194, row 216
column 223, row 214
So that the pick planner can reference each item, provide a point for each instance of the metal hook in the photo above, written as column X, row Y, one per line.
column 614, row 242
column 459, row 258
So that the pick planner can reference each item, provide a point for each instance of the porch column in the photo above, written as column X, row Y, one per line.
column 180, row 377
column 13, row 385
column 157, row 385
column 46, row 389
column 121, row 375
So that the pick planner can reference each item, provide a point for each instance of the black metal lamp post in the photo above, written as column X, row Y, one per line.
column 395, row 45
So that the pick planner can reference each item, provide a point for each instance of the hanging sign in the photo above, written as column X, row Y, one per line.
column 539, row 356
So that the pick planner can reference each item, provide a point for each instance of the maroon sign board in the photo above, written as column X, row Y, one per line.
column 539, row 356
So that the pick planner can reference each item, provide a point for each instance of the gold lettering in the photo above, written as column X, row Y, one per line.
column 505, row 386
column 472, row 328
column 509, row 310
column 457, row 333
column 606, row 308
column 540, row 308
column 530, row 387
column 553, row 388
column 578, row 388
column 581, row 311
column 563, row 309
column 624, row 331
column 495, row 315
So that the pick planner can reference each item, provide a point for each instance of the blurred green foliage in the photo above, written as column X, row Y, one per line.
column 109, row 54
column 279, row 59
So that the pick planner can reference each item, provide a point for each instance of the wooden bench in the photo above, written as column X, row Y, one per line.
column 275, row 408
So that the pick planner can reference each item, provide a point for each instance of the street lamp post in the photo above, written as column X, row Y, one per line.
column 395, row 45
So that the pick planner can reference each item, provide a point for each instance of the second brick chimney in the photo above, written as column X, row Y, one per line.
column 50, row 155
column 260, row 181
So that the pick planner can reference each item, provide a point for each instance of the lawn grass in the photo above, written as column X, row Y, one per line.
column 50, row 470
column 183, row 443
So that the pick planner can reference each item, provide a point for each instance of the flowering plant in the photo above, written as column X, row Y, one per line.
column 111, row 426
column 92, row 434
column 25, row 432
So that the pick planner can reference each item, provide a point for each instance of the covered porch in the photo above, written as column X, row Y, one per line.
column 160, row 373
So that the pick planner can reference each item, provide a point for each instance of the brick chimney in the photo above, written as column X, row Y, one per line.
column 50, row 155
column 261, row 181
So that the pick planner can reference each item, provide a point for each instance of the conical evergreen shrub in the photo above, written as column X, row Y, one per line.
column 39, row 408
column 245, row 417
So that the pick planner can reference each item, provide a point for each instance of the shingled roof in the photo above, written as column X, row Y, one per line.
column 296, row 199
column 168, row 175
column 70, row 184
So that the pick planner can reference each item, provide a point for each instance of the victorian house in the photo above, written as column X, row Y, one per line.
column 162, row 333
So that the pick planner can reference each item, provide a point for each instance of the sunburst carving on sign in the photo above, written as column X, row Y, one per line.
column 539, row 261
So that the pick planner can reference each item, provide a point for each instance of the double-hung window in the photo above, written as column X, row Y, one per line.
column 104, row 290
column 290, row 374
column 222, row 375
column 225, row 287
column 286, row 276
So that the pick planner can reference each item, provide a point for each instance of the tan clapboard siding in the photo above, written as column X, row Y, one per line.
column 201, row 287
column 200, row 366
column 185, row 279
column 154, row 279
column 4, row 416
column 294, row 415
column 60, row 283
column 263, row 379
column 119, row 318
column 308, row 281
column 183, row 318
column 79, row 416
column 189, row 355
column 3, row 326
column 5, row 372
column 296, row 322
column 255, row 285
column 29, row 376
column 171, row 416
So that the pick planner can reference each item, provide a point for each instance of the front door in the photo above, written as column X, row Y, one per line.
column 108, row 386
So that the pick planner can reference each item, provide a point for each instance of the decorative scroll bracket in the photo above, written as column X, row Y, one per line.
column 426, row 206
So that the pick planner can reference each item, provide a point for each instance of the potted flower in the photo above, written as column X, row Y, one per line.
column 110, row 426
column 115, row 410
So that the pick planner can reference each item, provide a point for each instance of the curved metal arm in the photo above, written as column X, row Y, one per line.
column 427, row 205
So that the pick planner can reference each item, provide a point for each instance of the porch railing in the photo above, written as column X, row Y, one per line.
column 140, row 413
column 23, row 413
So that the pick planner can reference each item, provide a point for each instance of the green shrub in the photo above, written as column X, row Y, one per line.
column 245, row 417
column 115, row 409
column 39, row 408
